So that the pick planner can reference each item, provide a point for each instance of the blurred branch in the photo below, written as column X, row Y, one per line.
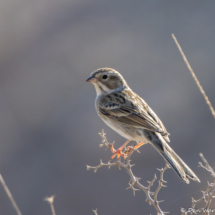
column 194, row 77
column 50, row 200
column 10, row 195
column 95, row 211
column 134, row 183
column 208, row 194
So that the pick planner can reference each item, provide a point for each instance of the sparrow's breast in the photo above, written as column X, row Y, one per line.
column 127, row 131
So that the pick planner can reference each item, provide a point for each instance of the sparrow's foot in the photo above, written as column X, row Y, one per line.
column 119, row 152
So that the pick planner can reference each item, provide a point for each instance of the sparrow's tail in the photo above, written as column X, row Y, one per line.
column 183, row 171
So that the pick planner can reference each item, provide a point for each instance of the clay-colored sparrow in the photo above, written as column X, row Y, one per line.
column 130, row 116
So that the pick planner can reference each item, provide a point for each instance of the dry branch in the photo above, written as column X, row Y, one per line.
column 194, row 76
column 10, row 195
column 95, row 211
column 50, row 200
column 207, row 195
column 134, row 183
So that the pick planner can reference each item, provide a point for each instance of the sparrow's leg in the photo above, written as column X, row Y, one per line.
column 129, row 148
column 140, row 144
column 119, row 152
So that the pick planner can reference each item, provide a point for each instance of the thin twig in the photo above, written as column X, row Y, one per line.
column 95, row 211
column 50, row 200
column 207, row 165
column 194, row 77
column 211, row 186
column 10, row 195
column 207, row 195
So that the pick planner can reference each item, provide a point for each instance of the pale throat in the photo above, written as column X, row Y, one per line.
column 102, row 89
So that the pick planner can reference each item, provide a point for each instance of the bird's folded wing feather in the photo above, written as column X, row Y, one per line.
column 121, row 108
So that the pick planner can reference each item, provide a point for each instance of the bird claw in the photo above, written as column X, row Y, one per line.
column 118, row 153
column 128, row 150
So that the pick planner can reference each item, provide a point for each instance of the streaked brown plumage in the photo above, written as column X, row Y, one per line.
column 130, row 116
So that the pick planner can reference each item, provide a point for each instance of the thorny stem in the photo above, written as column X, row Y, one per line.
column 151, row 197
column 208, row 194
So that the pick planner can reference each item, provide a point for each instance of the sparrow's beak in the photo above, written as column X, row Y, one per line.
column 92, row 79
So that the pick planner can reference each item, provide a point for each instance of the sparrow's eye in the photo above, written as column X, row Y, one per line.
column 104, row 76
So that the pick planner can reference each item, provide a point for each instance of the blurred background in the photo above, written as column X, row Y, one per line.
column 48, row 123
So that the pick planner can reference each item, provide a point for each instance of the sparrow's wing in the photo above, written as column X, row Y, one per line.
column 130, row 109
column 159, row 122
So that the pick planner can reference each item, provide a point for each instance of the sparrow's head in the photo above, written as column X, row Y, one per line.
column 107, row 80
